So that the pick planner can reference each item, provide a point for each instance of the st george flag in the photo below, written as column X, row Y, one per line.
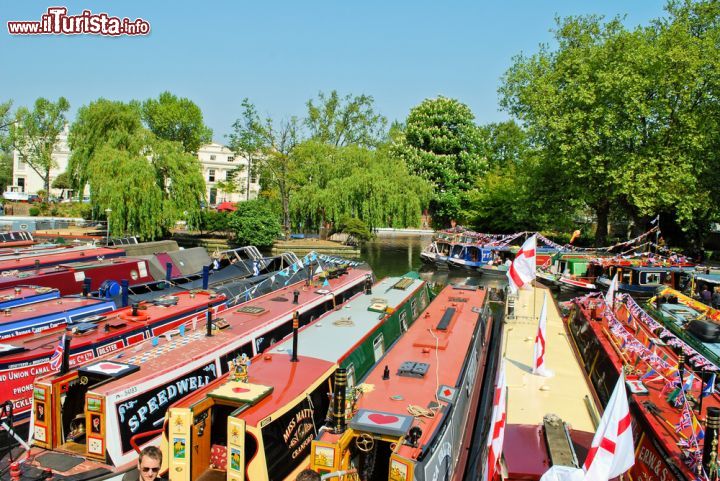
column 522, row 269
column 57, row 356
column 612, row 451
column 539, row 364
column 609, row 297
column 497, row 427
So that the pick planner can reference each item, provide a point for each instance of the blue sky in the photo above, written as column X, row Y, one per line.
column 280, row 54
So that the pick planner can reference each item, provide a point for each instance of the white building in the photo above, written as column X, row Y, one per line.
column 217, row 162
column 25, row 179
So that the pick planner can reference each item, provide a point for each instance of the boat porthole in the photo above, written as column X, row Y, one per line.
column 134, row 275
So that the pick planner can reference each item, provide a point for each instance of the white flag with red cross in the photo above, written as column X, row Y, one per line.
column 539, row 364
column 612, row 451
column 522, row 269
column 497, row 426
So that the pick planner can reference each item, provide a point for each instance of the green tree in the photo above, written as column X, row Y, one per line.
column 270, row 147
column 148, row 182
column 62, row 182
column 350, row 120
column 97, row 124
column 176, row 119
column 255, row 223
column 34, row 135
column 442, row 144
column 335, row 183
column 6, row 120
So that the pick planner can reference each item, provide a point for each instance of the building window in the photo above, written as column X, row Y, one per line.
column 211, row 175
column 21, row 183
column 231, row 158
column 253, row 178
column 212, row 157
column 21, row 165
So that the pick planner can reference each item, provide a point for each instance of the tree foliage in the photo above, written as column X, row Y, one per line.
column 270, row 146
column 149, row 183
column 335, row 183
column 341, row 122
column 99, row 123
column 441, row 143
column 176, row 119
column 255, row 223
column 627, row 117
column 34, row 133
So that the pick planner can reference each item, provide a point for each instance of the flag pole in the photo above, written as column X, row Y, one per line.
column 702, row 389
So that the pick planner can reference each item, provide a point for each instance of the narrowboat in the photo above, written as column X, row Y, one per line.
column 283, row 403
column 548, row 420
column 21, row 295
column 415, row 417
column 78, row 277
column 675, row 411
column 567, row 271
column 32, row 259
column 469, row 256
column 27, row 356
column 643, row 281
column 101, row 412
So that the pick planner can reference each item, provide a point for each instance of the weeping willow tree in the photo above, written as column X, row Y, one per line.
column 148, row 183
column 340, row 182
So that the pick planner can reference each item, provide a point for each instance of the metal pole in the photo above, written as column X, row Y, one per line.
column 124, row 287
column 296, row 326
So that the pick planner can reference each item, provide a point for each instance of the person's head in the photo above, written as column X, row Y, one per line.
column 307, row 475
column 149, row 463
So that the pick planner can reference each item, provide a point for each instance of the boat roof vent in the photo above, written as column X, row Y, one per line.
column 253, row 310
column 403, row 283
column 446, row 318
column 557, row 439
column 413, row 369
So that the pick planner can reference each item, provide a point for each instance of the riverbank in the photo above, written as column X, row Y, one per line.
column 389, row 231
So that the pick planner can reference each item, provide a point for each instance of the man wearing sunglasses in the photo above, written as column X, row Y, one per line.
column 148, row 468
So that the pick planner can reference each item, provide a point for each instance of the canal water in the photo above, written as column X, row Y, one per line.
column 396, row 255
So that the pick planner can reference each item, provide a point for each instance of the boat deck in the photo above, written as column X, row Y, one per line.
column 350, row 325
column 242, row 321
column 530, row 397
column 442, row 350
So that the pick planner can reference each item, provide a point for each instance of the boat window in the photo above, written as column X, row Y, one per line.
column 650, row 278
column 378, row 347
column 351, row 376
column 403, row 321
column 626, row 277
column 413, row 306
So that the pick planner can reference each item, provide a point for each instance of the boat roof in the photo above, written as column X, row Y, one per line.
column 287, row 379
column 530, row 397
column 444, row 351
column 110, row 325
column 87, row 264
column 22, row 261
column 351, row 324
column 711, row 278
column 21, row 292
column 243, row 320
column 50, row 306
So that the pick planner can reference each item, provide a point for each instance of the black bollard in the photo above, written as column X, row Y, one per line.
column 386, row 373
column 208, row 327
column 296, row 297
column 296, row 326
column 86, row 286
column 168, row 271
column 338, row 410
column 135, row 307
column 206, row 277
column 711, row 438
column 368, row 285
column 124, row 286
column 65, row 366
